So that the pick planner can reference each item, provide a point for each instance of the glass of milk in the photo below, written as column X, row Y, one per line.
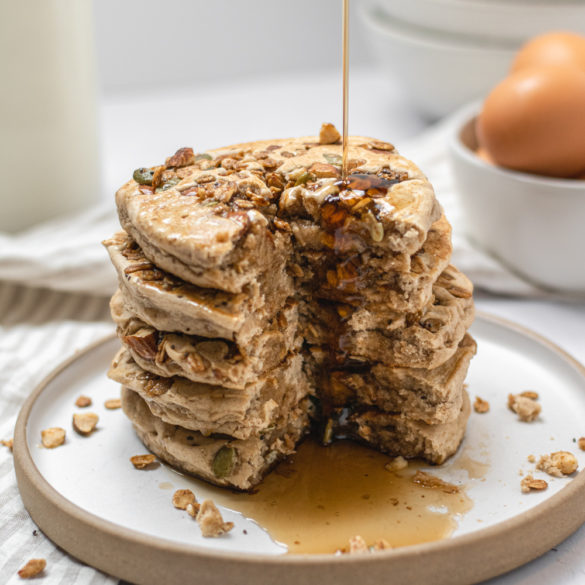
column 48, row 126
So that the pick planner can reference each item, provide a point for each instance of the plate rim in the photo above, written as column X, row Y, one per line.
column 513, row 542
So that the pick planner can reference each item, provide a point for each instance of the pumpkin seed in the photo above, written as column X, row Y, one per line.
column 224, row 461
column 302, row 179
column 143, row 176
column 332, row 159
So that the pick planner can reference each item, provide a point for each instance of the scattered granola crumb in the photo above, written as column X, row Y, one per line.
column 397, row 464
column 53, row 437
column 525, row 407
column 32, row 568
column 85, row 423
column 531, row 458
column 357, row 545
column 210, row 520
column 480, row 405
column 529, row 484
column 142, row 461
column 328, row 134
column 558, row 464
column 113, row 403
column 182, row 498
column 431, row 481
column 7, row 443
column 83, row 401
column 581, row 443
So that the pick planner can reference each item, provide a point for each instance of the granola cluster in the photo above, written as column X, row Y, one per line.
column 206, row 514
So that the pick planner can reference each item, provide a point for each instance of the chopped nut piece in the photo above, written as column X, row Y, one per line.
column 83, row 401
column 143, row 342
column 378, row 145
column 157, row 176
column 431, row 481
column 113, row 403
column 182, row 158
column 210, row 520
column 323, row 170
column 581, row 443
column 328, row 134
column 526, row 408
column 282, row 225
column 85, row 423
column 182, row 498
column 193, row 509
column 357, row 545
column 480, row 405
column 7, row 443
column 530, row 484
column 531, row 459
column 53, row 437
column 558, row 464
column 397, row 464
column 529, row 394
column 32, row 568
column 142, row 461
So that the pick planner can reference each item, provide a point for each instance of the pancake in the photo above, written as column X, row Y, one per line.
column 211, row 361
column 211, row 220
column 168, row 303
column 421, row 394
column 234, row 463
column 378, row 333
column 397, row 435
column 209, row 409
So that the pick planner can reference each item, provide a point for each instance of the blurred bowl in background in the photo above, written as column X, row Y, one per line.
column 439, row 71
column 533, row 225
column 481, row 20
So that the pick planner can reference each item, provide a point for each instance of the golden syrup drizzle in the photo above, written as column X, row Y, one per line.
column 345, row 62
column 323, row 496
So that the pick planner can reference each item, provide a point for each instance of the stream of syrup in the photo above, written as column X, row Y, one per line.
column 345, row 63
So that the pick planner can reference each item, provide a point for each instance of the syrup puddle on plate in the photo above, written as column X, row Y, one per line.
column 323, row 496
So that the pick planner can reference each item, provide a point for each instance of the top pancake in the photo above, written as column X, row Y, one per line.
column 222, row 218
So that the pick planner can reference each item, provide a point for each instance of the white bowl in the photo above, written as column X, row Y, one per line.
column 533, row 225
column 511, row 20
column 438, row 72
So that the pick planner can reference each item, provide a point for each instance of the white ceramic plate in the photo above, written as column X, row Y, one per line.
column 89, row 500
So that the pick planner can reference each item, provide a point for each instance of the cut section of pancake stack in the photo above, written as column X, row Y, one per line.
column 260, row 297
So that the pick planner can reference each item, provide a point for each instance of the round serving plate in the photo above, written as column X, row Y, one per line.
column 90, row 501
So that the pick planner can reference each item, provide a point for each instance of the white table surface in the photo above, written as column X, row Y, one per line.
column 141, row 129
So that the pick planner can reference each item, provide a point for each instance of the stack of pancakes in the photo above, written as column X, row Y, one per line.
column 260, row 296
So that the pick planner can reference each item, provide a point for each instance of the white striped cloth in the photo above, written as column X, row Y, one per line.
column 63, row 254
column 38, row 329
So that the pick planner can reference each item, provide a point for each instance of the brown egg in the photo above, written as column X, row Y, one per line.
column 534, row 121
column 555, row 48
